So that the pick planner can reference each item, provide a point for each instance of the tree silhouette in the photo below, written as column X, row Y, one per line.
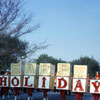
column 13, row 25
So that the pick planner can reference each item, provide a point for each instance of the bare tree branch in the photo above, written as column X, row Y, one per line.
column 13, row 25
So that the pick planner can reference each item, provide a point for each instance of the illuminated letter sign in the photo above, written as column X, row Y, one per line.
column 3, row 81
column 62, row 83
column 28, row 81
column 44, row 82
column 95, row 86
column 15, row 81
column 79, row 85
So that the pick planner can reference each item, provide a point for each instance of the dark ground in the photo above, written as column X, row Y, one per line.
column 51, row 96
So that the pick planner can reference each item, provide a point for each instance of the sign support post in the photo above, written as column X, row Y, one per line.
column 63, row 78
column 96, row 96
column 79, row 84
column 45, row 94
column 29, row 78
column 29, row 91
column 62, row 93
column 46, row 78
column 16, row 90
column 79, row 96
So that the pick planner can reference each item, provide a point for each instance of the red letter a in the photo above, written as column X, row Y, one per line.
column 79, row 85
